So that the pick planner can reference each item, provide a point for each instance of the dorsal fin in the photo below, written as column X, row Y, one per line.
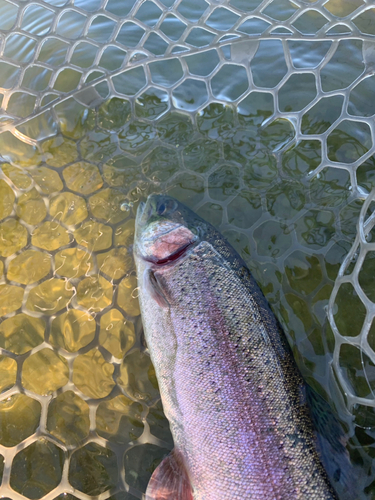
column 170, row 480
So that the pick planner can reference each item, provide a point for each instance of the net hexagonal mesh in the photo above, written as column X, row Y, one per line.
column 260, row 116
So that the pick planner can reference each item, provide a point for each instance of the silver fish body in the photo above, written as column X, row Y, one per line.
column 229, row 385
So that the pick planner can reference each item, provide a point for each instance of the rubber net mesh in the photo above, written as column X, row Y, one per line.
column 260, row 116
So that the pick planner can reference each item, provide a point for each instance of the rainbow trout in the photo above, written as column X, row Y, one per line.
column 229, row 384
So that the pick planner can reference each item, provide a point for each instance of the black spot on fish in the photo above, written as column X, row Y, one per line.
column 337, row 475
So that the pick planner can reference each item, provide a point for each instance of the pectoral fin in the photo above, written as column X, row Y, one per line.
column 154, row 289
column 170, row 480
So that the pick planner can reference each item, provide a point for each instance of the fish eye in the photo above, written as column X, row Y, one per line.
column 166, row 207
column 162, row 208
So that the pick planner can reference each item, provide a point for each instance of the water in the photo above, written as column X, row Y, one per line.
column 273, row 169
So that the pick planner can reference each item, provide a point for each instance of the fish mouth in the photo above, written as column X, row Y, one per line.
column 140, row 211
column 160, row 236
column 141, row 208
column 172, row 257
column 167, row 245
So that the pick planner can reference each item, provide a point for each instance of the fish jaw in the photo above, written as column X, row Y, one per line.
column 160, row 239
column 165, row 241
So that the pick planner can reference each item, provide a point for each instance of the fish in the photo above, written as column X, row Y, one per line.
column 230, row 388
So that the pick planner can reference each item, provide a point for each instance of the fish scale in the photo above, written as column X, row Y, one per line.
column 229, row 384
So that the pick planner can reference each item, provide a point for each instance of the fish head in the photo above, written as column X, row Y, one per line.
column 165, row 229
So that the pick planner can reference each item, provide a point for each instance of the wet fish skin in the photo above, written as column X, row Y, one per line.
column 228, row 381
